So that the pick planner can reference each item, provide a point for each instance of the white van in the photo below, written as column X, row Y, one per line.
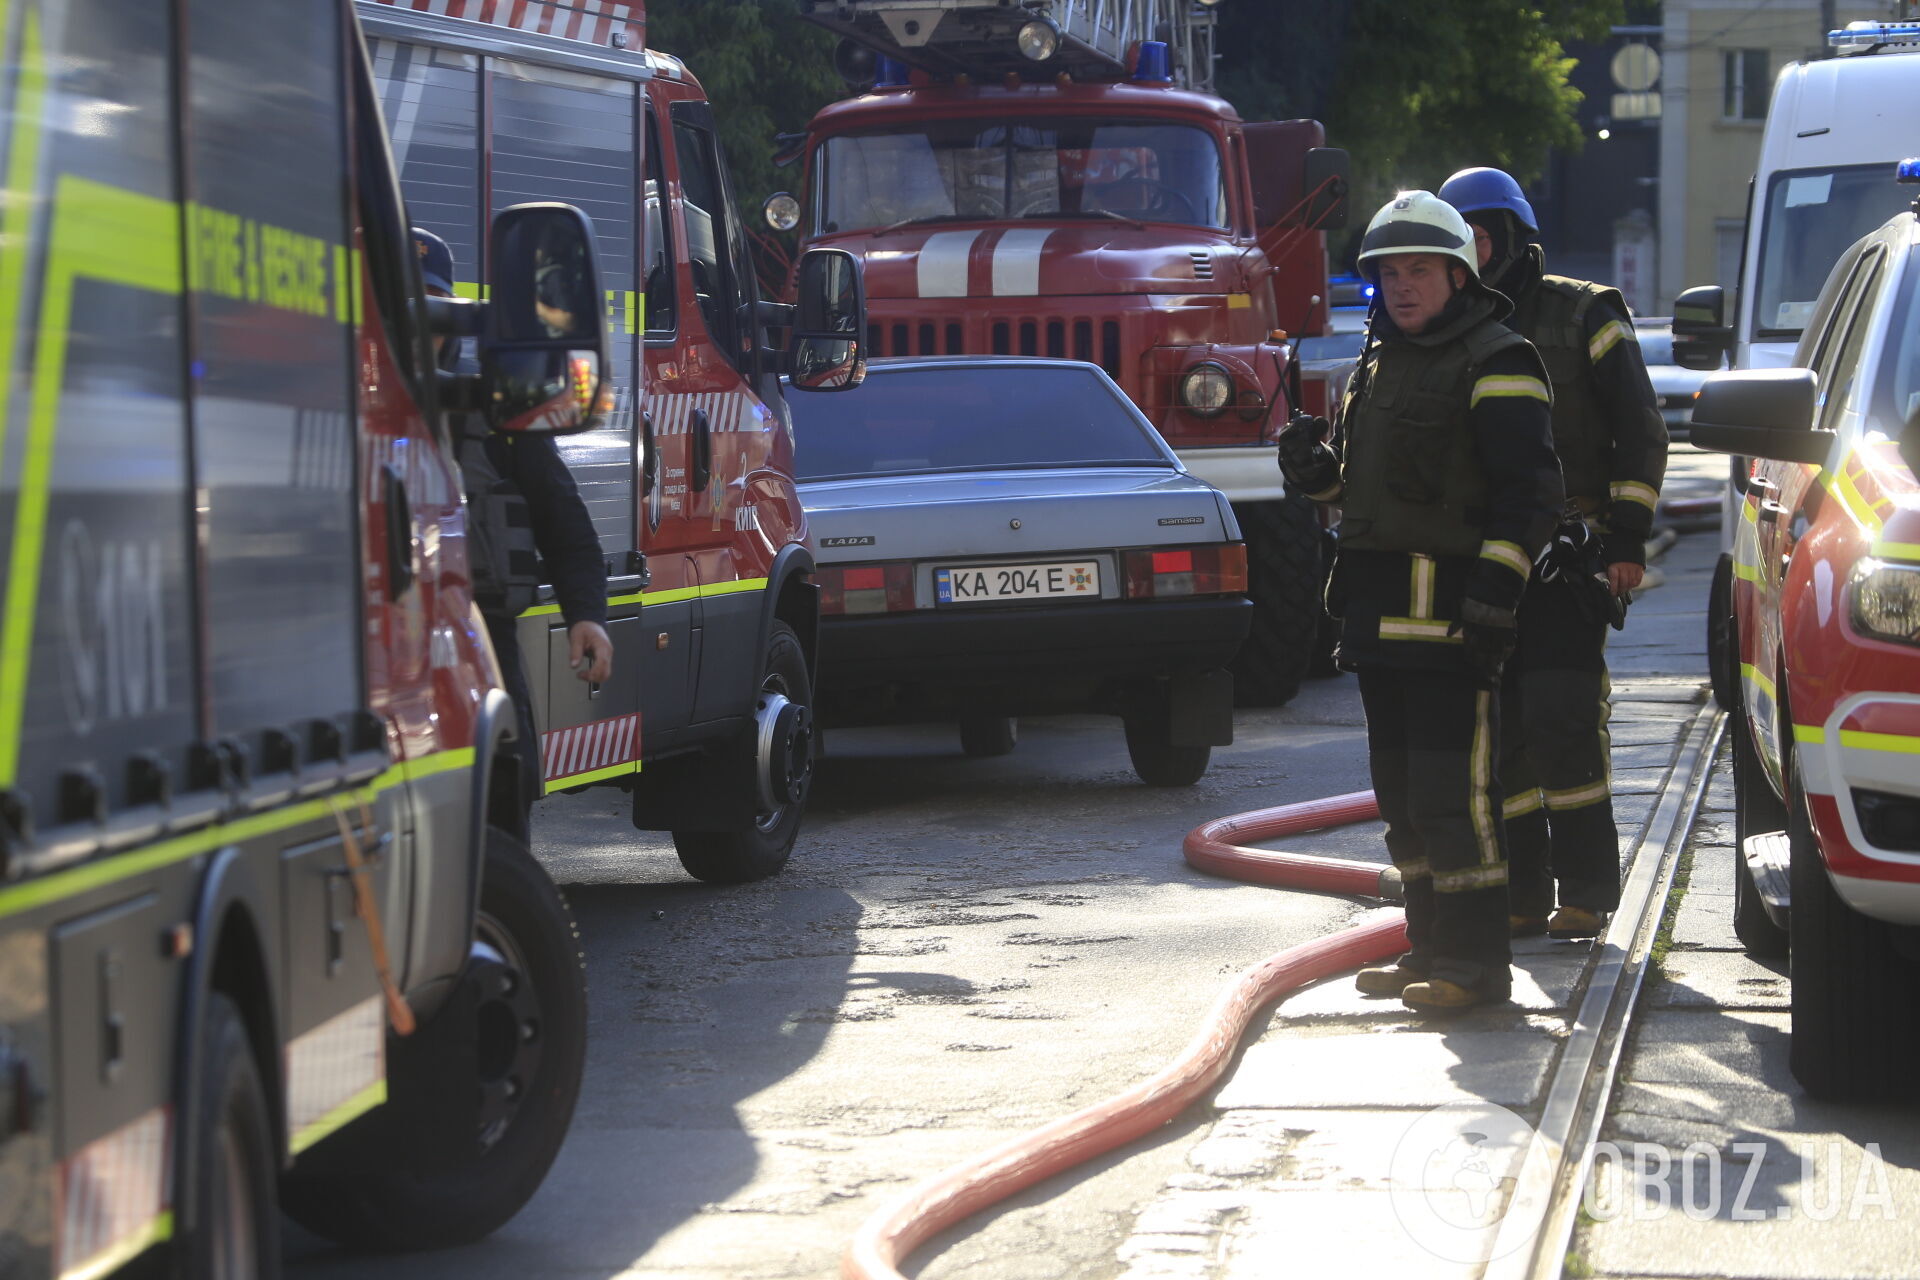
column 1835, row 131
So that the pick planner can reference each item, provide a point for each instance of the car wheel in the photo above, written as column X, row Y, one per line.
column 1756, row 811
column 778, row 756
column 532, row 1029
column 1283, row 580
column 238, row 1237
column 1158, row 762
column 1723, row 659
column 1855, row 1035
column 985, row 736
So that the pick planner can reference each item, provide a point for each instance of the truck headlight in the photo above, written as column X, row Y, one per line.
column 1886, row 601
column 1206, row 390
column 1038, row 39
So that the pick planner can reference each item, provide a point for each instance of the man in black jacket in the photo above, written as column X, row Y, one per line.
column 1448, row 487
column 1612, row 445
column 526, row 523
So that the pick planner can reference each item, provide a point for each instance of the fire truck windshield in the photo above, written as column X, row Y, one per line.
column 965, row 170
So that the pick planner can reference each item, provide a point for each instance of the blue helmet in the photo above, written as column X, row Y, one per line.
column 1474, row 189
column 436, row 260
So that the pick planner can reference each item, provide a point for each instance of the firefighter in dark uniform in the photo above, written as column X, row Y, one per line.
column 1612, row 445
column 1445, row 474
column 526, row 522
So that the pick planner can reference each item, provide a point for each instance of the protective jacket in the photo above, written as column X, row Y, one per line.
column 527, row 522
column 1445, row 474
column 1607, row 427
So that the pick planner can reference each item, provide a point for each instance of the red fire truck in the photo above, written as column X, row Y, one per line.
column 711, row 602
column 1056, row 180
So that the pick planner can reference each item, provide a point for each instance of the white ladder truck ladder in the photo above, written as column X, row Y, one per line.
column 981, row 38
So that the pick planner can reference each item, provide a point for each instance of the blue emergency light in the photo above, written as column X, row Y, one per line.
column 1156, row 63
column 1867, row 35
column 1908, row 171
column 891, row 73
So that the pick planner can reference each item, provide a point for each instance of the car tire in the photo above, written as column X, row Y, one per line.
column 1855, row 1034
column 1156, row 759
column 1283, row 580
column 983, row 737
column 525, row 919
column 1723, row 662
column 759, row 845
column 238, row 1235
column 1756, row 811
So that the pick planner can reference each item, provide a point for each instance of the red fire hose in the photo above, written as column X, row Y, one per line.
column 930, row 1207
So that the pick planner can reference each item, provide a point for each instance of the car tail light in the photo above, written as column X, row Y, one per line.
column 866, row 588
column 1208, row 570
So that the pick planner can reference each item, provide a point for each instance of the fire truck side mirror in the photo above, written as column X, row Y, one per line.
column 827, row 349
column 543, row 354
column 1324, row 180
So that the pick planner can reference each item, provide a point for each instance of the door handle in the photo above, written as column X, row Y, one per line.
column 650, row 457
column 702, row 451
column 399, row 532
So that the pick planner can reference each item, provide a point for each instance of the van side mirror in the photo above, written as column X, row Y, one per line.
column 1760, row 413
column 827, row 349
column 1701, row 338
column 543, row 353
column 1325, row 181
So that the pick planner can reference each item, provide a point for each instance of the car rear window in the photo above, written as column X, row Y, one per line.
column 907, row 421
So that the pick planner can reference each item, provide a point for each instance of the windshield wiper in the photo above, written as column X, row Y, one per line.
column 931, row 217
column 1135, row 223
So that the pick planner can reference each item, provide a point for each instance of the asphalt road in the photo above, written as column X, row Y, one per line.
column 959, row 950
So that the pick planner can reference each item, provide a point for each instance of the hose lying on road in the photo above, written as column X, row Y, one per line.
column 935, row 1204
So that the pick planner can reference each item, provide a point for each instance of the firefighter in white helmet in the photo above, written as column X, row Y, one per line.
column 1445, row 473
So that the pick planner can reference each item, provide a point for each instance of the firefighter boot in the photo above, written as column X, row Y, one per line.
column 1390, row 979
column 1437, row 995
column 1576, row 922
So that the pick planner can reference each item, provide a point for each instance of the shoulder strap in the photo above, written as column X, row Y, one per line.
column 1487, row 340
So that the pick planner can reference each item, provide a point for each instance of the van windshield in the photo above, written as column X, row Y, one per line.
column 954, row 170
column 1812, row 215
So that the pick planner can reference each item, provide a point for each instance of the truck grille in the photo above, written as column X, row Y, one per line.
column 1056, row 337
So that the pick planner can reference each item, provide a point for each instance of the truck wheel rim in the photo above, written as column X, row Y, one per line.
column 511, row 1030
column 783, row 763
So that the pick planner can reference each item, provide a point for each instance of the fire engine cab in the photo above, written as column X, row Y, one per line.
column 1056, row 180
column 711, row 601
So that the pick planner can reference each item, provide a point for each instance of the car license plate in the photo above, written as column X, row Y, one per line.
column 965, row 584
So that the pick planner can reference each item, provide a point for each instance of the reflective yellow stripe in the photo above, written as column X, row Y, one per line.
column 16, row 221
column 1750, row 512
column 1577, row 797
column 110, row 1260
column 1417, row 629
column 1896, row 550
column 1761, row 682
column 1811, row 734
column 1420, row 589
column 1611, row 333
column 673, row 596
column 1519, row 806
column 1484, row 829
column 593, row 775
column 1899, row 743
column 1510, row 554
column 340, row 1117
column 1469, row 878
column 116, row 867
column 1491, row 386
column 98, row 233
column 1634, row 491
column 1745, row 573
column 1841, row 487
column 1418, row 869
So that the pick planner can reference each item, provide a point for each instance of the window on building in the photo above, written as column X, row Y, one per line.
column 1744, row 90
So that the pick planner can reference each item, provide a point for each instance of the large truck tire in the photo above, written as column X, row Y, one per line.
column 532, row 1029
column 239, row 1230
column 1723, row 661
column 778, row 759
column 1283, row 578
column 1756, row 811
column 1855, row 1034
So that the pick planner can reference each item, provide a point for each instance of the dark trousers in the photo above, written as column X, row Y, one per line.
column 1555, row 761
column 1433, row 744
column 526, row 748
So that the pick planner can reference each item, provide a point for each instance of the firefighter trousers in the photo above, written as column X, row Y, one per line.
column 1555, row 760
column 1433, row 745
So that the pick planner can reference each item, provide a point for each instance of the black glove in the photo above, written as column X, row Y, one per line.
column 1490, row 633
column 1301, row 451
